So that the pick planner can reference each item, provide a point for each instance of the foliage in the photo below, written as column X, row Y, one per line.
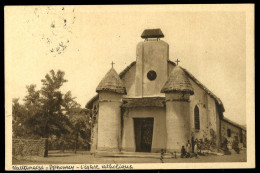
column 208, row 144
column 224, row 145
column 18, row 111
column 235, row 144
column 80, row 126
column 48, row 113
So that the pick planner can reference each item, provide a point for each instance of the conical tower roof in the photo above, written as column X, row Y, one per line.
column 111, row 82
column 177, row 82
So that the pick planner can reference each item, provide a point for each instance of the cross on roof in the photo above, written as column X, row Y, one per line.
column 177, row 61
column 112, row 64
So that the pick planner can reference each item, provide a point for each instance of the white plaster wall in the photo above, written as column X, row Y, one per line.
column 151, row 55
column 199, row 99
column 93, row 138
column 129, row 81
column 159, row 128
column 177, row 124
column 139, row 70
column 235, row 131
column 109, row 121
column 212, row 113
column 170, row 68
column 209, row 117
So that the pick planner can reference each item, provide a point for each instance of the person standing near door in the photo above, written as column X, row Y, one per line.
column 188, row 146
column 196, row 149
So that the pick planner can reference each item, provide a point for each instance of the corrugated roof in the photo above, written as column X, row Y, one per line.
column 111, row 82
column 152, row 33
column 143, row 102
column 177, row 82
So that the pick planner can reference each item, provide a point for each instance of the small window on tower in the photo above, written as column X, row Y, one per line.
column 151, row 75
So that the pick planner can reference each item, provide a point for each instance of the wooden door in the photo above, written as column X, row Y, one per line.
column 143, row 134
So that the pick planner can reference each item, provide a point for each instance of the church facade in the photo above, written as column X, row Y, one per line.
column 153, row 104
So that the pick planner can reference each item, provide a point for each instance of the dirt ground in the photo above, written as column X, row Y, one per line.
column 83, row 157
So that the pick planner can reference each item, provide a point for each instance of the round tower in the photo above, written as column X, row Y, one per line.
column 110, row 90
column 177, row 90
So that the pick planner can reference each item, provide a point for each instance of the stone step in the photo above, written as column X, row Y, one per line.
column 132, row 154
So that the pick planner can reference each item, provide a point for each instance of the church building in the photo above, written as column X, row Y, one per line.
column 153, row 104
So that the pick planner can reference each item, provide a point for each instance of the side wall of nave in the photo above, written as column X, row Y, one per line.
column 208, row 114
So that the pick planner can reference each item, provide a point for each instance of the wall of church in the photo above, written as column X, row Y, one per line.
column 93, row 146
column 130, row 78
column 200, row 100
column 214, row 118
column 234, row 131
column 129, row 81
column 170, row 68
column 177, row 121
column 109, row 121
column 159, row 128
column 151, row 55
column 208, row 115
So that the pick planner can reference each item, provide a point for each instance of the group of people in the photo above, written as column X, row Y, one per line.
column 186, row 152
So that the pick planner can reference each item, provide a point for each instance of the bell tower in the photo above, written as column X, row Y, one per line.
column 152, row 56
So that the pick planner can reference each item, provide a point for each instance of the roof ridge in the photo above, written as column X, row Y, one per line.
column 234, row 123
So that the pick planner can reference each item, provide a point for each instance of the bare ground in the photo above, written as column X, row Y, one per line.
column 56, row 157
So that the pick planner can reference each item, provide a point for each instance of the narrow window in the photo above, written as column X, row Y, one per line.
column 197, row 118
column 228, row 132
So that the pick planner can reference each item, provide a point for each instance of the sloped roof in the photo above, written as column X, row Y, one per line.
column 177, row 82
column 234, row 123
column 144, row 102
column 218, row 101
column 111, row 82
column 152, row 33
column 91, row 101
column 210, row 93
column 126, row 69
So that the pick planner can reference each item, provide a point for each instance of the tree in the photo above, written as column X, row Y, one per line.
column 49, row 113
column 45, row 114
column 18, row 112
column 81, row 126
column 55, row 121
column 34, row 115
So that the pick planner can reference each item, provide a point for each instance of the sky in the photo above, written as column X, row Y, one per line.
column 82, row 41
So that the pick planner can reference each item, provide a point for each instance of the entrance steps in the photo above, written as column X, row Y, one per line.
column 133, row 154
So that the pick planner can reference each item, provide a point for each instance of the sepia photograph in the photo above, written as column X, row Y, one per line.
column 129, row 87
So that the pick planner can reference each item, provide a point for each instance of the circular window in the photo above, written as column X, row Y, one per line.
column 151, row 75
